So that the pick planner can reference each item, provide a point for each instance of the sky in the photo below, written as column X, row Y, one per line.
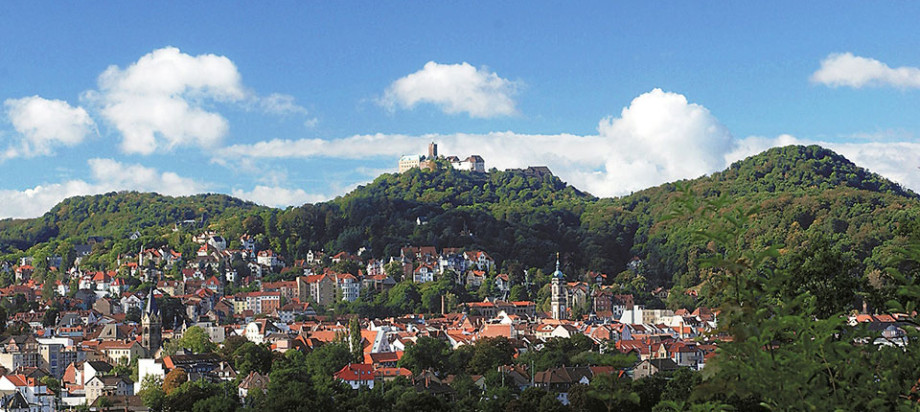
column 286, row 103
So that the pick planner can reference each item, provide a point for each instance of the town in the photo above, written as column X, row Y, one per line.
column 93, row 338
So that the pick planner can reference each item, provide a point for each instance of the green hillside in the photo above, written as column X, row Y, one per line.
column 522, row 217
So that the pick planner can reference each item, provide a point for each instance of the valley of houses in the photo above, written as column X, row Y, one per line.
column 91, row 334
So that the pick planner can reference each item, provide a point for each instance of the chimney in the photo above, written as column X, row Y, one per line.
column 443, row 311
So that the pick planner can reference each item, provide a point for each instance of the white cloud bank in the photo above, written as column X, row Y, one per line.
column 845, row 69
column 162, row 100
column 275, row 196
column 108, row 175
column 660, row 137
column 44, row 125
column 454, row 88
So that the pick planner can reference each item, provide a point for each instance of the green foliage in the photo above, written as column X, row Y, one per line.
column 426, row 353
column 251, row 357
column 489, row 354
column 812, row 362
column 197, row 340
column 355, row 340
column 520, row 218
column 201, row 395
column 151, row 393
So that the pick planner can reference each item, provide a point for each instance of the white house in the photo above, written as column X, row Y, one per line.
column 37, row 394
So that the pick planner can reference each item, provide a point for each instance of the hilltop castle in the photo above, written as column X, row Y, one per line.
column 473, row 163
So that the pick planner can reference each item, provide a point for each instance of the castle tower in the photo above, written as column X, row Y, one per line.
column 152, row 324
column 432, row 151
column 558, row 298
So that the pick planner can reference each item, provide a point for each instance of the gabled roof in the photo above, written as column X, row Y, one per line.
column 356, row 372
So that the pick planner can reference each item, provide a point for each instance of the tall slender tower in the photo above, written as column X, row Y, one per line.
column 558, row 298
column 152, row 325
column 432, row 151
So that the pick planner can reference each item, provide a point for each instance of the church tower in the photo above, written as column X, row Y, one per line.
column 152, row 324
column 558, row 298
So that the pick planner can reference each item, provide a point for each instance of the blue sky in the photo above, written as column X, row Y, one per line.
column 300, row 102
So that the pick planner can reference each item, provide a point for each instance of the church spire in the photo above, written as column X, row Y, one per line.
column 152, row 308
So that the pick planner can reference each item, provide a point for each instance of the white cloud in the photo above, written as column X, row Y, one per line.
column 896, row 161
column 454, row 88
column 159, row 101
column 165, row 100
column 119, row 176
column 280, row 104
column 355, row 147
column 660, row 137
column 45, row 124
column 274, row 196
column 35, row 201
column 845, row 69
column 753, row 145
column 108, row 175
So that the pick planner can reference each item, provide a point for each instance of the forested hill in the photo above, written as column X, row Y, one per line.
column 521, row 217
column 798, row 168
column 118, row 215
column 807, row 196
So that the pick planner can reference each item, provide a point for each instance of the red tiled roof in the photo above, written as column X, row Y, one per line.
column 356, row 372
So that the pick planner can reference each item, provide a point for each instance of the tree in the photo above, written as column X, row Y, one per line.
column 103, row 402
column 519, row 292
column 48, row 288
column 230, row 345
column 197, row 340
column 426, row 353
column 173, row 380
column 823, row 272
column 252, row 357
column 133, row 314
column 50, row 317
column 288, row 388
column 613, row 392
column 219, row 403
column 355, row 340
column 394, row 270
column 151, row 393
column 812, row 362
column 54, row 385
column 681, row 385
column 489, row 354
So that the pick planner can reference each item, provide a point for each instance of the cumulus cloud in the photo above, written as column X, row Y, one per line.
column 158, row 101
column 44, row 124
column 108, row 175
column 35, row 201
column 165, row 100
column 659, row 137
column 454, row 88
column 119, row 176
column 274, row 196
column 845, row 69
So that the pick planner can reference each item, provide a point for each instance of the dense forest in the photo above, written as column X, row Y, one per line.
column 806, row 197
